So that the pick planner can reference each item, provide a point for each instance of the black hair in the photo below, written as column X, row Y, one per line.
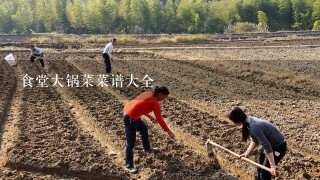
column 32, row 45
column 113, row 39
column 237, row 115
column 162, row 89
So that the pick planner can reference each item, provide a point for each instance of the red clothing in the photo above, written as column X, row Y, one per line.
column 143, row 105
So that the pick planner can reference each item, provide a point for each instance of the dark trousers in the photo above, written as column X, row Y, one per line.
column 107, row 62
column 266, row 175
column 34, row 56
column 131, row 127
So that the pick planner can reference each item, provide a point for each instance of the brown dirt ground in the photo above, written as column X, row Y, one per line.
column 63, row 132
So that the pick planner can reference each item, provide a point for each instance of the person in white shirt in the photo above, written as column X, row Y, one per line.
column 107, row 54
column 36, row 54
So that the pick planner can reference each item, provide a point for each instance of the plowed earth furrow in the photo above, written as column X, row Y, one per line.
column 309, row 125
column 68, row 132
column 177, row 113
column 180, row 114
column 8, row 85
column 49, row 139
column 174, row 160
column 12, row 91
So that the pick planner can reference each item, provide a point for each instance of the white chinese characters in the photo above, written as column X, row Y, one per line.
column 87, row 80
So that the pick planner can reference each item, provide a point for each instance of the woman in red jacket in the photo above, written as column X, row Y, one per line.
column 142, row 105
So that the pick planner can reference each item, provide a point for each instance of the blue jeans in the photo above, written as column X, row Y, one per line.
column 131, row 127
column 107, row 62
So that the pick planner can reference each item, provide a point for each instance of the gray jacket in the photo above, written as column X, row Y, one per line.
column 265, row 134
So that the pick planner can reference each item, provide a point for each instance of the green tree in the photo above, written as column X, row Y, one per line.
column 285, row 17
column 247, row 10
column 5, row 20
column 170, row 17
column 23, row 18
column 74, row 13
column 262, row 18
column 8, row 10
column 136, row 13
column 140, row 16
column 225, row 11
column 212, row 23
column 302, row 10
column 316, row 26
column 316, row 10
column 92, row 17
column 63, row 22
column 263, row 22
column 109, row 15
column 200, row 16
column 270, row 8
column 125, row 11
column 185, row 14
column 47, row 15
column 145, row 16
column 192, row 15
column 157, row 16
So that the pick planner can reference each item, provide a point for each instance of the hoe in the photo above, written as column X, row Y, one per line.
column 210, row 144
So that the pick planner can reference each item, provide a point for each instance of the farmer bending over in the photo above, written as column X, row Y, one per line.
column 36, row 54
column 142, row 105
column 264, row 133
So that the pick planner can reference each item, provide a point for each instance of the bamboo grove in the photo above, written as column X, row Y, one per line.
column 157, row 16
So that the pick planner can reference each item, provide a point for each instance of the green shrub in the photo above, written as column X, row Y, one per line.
column 97, row 40
column 245, row 27
column 196, row 38
column 316, row 26
column 165, row 40
column 38, row 40
column 127, row 39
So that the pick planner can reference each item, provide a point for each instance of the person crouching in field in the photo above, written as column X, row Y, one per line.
column 142, row 105
column 107, row 54
column 36, row 54
column 264, row 133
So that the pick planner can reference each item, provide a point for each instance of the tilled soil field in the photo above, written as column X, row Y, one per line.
column 175, row 158
column 188, row 82
column 8, row 83
column 77, row 132
column 49, row 140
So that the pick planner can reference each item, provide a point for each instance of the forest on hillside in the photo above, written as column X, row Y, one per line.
column 157, row 16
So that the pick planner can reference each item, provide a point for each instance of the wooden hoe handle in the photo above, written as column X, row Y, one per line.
column 238, row 155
